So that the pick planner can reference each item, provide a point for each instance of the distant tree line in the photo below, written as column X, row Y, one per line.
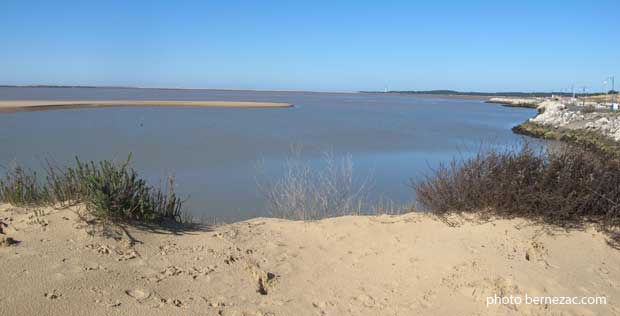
column 486, row 94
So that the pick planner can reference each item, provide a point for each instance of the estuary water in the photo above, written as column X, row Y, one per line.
column 215, row 153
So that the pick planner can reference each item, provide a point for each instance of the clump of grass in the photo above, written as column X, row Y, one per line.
column 567, row 186
column 110, row 191
column 21, row 188
column 115, row 192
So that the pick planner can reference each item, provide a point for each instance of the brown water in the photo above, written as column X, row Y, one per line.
column 213, row 151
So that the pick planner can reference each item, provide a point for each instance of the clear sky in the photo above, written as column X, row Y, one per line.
column 314, row 45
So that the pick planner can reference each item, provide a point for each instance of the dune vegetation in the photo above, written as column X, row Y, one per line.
column 110, row 191
column 566, row 185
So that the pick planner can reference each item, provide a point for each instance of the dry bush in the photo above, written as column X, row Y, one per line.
column 566, row 186
column 306, row 192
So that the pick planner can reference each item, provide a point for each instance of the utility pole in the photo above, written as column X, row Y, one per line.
column 613, row 93
column 583, row 102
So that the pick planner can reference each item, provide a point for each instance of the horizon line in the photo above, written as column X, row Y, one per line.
column 432, row 91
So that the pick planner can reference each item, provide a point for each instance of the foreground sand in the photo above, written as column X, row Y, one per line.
column 38, row 105
column 412, row 264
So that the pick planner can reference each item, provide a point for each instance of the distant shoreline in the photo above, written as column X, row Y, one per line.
column 537, row 94
column 43, row 105
column 422, row 93
column 434, row 96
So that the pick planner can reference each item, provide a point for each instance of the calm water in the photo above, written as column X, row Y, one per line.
column 213, row 152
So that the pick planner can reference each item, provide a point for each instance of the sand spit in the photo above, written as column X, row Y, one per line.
column 39, row 105
column 412, row 264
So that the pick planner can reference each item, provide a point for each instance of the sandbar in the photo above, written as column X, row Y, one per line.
column 41, row 105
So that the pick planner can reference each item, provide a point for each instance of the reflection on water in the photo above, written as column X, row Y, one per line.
column 213, row 151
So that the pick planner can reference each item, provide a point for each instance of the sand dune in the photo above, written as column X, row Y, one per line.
column 412, row 264
column 39, row 105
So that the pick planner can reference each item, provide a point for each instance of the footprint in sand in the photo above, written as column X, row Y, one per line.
column 172, row 271
column 173, row 301
column 168, row 248
column 366, row 300
column 7, row 241
column 138, row 294
column 196, row 272
column 52, row 295
column 319, row 305
column 3, row 225
column 127, row 256
column 93, row 267
column 100, row 249
column 537, row 252
column 108, row 302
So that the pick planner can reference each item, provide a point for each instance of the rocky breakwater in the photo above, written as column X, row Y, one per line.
column 517, row 102
column 596, row 129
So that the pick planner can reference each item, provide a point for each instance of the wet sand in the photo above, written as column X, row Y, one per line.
column 41, row 105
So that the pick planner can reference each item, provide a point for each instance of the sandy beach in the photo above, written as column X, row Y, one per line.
column 39, row 105
column 413, row 264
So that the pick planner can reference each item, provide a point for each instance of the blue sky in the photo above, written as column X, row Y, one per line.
column 314, row 45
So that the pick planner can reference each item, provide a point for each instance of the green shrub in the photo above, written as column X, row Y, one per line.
column 116, row 192
column 111, row 192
